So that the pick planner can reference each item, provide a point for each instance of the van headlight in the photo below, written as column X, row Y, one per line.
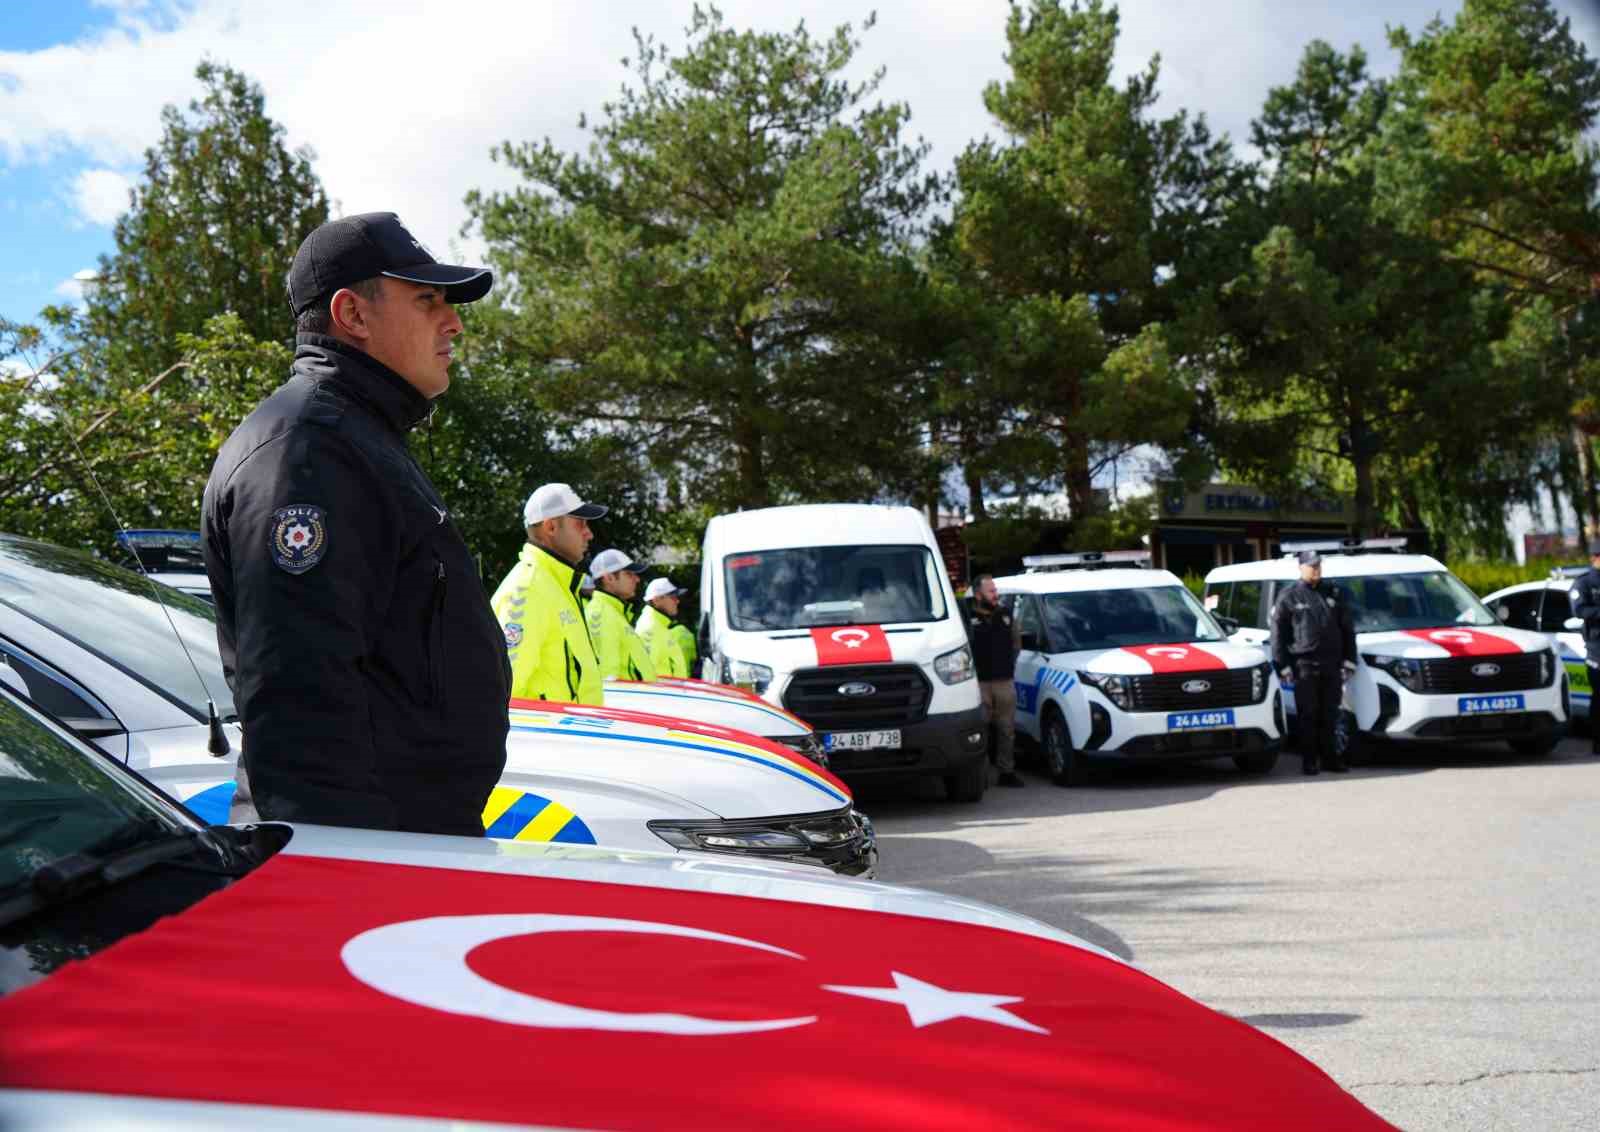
column 1260, row 680
column 746, row 674
column 1407, row 672
column 1117, row 689
column 955, row 666
column 1547, row 668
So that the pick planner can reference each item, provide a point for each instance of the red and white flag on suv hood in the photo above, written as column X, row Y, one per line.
column 375, row 988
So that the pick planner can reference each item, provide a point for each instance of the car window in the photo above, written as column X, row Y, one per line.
column 1384, row 603
column 1246, row 605
column 1219, row 598
column 1557, row 608
column 54, row 692
column 1518, row 610
column 1029, row 621
column 833, row 585
column 1107, row 619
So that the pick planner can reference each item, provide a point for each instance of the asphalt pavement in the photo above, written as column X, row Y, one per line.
column 1426, row 928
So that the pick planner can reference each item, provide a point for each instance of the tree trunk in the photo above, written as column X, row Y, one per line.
column 1584, row 501
column 975, row 497
column 747, row 438
column 1363, row 453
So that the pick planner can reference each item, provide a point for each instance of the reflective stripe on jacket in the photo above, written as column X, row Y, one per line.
column 655, row 628
column 547, row 639
column 620, row 651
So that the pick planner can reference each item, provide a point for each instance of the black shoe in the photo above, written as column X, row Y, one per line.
column 1310, row 767
column 1009, row 779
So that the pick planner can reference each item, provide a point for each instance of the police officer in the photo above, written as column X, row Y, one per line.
column 364, row 659
column 683, row 637
column 546, row 633
column 996, row 640
column 618, row 648
column 1586, row 605
column 655, row 627
column 1314, row 646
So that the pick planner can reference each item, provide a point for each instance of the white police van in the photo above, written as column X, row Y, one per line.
column 1546, row 607
column 1433, row 663
column 1121, row 661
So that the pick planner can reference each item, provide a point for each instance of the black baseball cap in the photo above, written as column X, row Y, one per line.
column 353, row 248
column 1309, row 558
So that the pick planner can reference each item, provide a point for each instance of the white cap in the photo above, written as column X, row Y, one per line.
column 554, row 500
column 661, row 587
column 612, row 561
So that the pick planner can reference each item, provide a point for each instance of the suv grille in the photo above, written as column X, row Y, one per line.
column 900, row 696
column 1517, row 671
column 1164, row 691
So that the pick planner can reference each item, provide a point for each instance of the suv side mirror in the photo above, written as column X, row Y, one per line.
column 1573, row 624
column 1030, row 640
column 1230, row 625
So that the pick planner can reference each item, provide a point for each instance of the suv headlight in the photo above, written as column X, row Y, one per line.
column 1117, row 689
column 1407, row 672
column 809, row 745
column 956, row 666
column 746, row 674
column 816, row 839
column 1260, row 681
column 1547, row 668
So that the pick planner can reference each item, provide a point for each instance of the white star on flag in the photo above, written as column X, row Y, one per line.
column 927, row 1004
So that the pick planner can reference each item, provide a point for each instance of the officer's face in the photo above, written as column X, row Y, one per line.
column 412, row 330
column 623, row 584
column 569, row 536
column 988, row 592
column 1311, row 575
column 668, row 605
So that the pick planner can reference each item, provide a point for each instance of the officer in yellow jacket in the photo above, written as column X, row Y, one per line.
column 622, row 654
column 655, row 627
column 683, row 637
column 547, row 635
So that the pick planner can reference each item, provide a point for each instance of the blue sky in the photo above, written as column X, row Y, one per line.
column 82, row 83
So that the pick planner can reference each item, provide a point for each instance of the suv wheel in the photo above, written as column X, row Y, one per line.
column 1257, row 762
column 968, row 784
column 1536, row 746
column 1065, row 765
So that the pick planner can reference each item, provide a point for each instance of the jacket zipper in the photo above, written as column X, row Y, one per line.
column 436, row 637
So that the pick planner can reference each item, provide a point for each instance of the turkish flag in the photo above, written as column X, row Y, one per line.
column 367, row 987
column 852, row 644
column 1467, row 642
column 1177, row 658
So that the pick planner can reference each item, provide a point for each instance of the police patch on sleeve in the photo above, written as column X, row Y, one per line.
column 513, row 635
column 299, row 537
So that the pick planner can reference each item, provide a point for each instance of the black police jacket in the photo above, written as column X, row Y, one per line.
column 369, row 672
column 1312, row 624
column 1585, row 595
column 994, row 644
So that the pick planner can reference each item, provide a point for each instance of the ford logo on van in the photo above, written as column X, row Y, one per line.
column 1486, row 670
column 856, row 688
column 1195, row 687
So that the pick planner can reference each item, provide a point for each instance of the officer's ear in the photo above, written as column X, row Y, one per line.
column 349, row 314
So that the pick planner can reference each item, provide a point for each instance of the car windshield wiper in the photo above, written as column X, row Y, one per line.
column 121, row 855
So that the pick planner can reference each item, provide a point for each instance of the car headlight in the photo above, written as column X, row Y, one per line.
column 746, row 674
column 1260, row 680
column 818, row 838
column 955, row 666
column 808, row 744
column 1117, row 689
column 1547, row 668
column 1407, row 672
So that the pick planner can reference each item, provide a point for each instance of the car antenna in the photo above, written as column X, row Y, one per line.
column 217, row 743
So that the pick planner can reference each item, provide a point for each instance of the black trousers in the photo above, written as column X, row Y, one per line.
column 1318, row 692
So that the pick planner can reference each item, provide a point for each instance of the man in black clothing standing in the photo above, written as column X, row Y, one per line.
column 369, row 671
column 1314, row 647
column 994, row 637
column 1586, row 605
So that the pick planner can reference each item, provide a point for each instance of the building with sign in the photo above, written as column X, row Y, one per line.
column 1219, row 524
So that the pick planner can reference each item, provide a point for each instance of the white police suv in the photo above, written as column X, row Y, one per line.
column 1121, row 661
column 1433, row 663
column 1546, row 608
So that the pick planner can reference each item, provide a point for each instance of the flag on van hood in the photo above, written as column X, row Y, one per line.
column 851, row 644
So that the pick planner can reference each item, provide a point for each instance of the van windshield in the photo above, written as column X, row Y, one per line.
column 1382, row 603
column 1110, row 619
column 833, row 585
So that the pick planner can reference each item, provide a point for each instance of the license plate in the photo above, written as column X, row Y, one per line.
column 1200, row 720
column 1486, row 705
column 861, row 740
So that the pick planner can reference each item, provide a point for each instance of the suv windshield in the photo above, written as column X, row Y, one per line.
column 833, row 585
column 1382, row 603
column 111, row 612
column 1109, row 619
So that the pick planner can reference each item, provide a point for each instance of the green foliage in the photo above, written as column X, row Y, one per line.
column 1484, row 577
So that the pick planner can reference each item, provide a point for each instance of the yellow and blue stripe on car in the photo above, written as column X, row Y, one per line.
column 517, row 815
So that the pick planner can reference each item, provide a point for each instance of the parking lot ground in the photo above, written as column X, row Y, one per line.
column 1426, row 928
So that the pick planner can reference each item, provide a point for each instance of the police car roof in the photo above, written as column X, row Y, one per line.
column 1333, row 566
column 816, row 524
column 1078, row 581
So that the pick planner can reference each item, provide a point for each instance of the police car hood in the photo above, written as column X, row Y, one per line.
column 356, row 979
column 1143, row 660
column 1448, row 641
column 705, row 703
column 729, row 773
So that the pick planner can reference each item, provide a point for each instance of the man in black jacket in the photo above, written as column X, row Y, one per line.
column 369, row 671
column 1585, row 597
column 1314, row 647
column 993, row 635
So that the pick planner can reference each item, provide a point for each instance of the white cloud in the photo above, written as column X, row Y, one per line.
column 101, row 195
column 70, row 290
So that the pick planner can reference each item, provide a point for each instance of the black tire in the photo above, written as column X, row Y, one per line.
column 1257, row 762
column 1064, row 765
column 1349, row 744
column 1536, row 746
column 968, row 784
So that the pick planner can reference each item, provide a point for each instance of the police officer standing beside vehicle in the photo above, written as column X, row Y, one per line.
column 366, row 664
column 1586, row 606
column 995, row 641
column 546, row 632
column 655, row 627
column 1314, row 648
column 617, row 647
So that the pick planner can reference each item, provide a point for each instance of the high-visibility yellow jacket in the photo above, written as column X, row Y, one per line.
column 684, row 639
column 622, row 654
column 547, row 639
column 655, row 629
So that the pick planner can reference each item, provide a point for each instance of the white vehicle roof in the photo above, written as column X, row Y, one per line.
column 1079, row 581
column 1333, row 566
column 817, row 524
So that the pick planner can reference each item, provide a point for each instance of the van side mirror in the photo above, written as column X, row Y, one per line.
column 1030, row 640
column 1573, row 624
column 1230, row 625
